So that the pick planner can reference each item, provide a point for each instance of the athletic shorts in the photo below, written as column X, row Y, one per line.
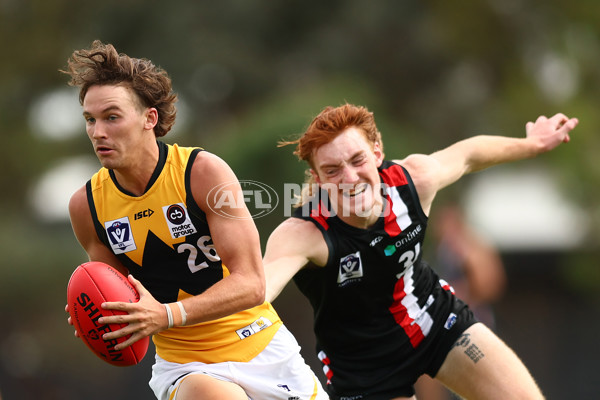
column 427, row 358
column 278, row 373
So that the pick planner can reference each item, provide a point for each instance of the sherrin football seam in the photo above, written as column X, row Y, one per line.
column 103, row 293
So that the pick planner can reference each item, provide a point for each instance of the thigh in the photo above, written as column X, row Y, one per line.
column 204, row 387
column 427, row 388
column 279, row 372
column 481, row 366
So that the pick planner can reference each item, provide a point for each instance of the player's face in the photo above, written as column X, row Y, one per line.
column 116, row 125
column 347, row 168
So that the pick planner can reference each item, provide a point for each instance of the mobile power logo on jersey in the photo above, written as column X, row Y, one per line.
column 178, row 220
column 350, row 269
column 119, row 235
column 227, row 199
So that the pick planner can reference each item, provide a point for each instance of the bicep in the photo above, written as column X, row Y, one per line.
column 232, row 228
column 237, row 242
column 429, row 175
column 433, row 172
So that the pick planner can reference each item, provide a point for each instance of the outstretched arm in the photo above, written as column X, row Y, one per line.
column 433, row 172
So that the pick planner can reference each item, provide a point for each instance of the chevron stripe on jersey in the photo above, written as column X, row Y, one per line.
column 396, row 219
column 415, row 320
column 326, row 370
column 166, row 243
column 389, row 305
column 321, row 214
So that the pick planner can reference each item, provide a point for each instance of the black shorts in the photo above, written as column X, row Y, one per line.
column 427, row 358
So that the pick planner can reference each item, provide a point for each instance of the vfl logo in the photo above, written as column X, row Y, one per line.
column 245, row 333
column 253, row 328
column 119, row 235
column 350, row 268
column 178, row 220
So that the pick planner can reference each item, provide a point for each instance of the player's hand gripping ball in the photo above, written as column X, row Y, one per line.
column 92, row 284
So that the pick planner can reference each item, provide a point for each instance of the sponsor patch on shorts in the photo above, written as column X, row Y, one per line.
column 254, row 327
column 450, row 321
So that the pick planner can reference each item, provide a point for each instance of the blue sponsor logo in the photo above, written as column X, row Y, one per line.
column 450, row 321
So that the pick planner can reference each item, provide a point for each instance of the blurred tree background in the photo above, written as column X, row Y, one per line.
column 250, row 73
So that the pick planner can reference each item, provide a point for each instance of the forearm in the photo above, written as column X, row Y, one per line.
column 146, row 317
column 442, row 168
column 279, row 271
column 275, row 284
column 484, row 151
column 543, row 135
column 230, row 295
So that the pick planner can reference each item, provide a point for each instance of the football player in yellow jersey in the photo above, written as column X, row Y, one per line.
column 197, row 265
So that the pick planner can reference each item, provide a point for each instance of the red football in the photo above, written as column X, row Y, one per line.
column 92, row 284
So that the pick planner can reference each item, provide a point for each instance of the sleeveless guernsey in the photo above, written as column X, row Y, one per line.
column 163, row 239
column 375, row 302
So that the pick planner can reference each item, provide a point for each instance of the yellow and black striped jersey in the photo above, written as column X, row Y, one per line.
column 163, row 239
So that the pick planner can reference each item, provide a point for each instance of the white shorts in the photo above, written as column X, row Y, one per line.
column 279, row 373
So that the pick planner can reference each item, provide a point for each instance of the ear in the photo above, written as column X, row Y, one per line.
column 378, row 152
column 151, row 118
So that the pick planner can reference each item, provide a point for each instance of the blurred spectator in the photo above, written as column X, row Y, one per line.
column 473, row 267
column 468, row 262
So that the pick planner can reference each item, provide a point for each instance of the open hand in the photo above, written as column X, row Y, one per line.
column 550, row 132
column 144, row 318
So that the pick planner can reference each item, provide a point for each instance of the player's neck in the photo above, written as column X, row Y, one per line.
column 364, row 220
column 135, row 176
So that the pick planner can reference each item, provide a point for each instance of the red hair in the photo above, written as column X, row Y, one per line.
column 325, row 127
column 329, row 123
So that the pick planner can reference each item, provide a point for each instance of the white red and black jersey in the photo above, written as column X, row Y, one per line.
column 375, row 302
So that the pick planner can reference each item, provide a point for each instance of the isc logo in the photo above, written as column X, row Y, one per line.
column 142, row 214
